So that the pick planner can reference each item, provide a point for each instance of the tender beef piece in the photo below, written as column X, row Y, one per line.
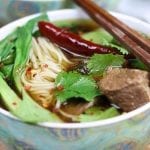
column 127, row 88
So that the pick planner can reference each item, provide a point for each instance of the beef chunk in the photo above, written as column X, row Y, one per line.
column 127, row 88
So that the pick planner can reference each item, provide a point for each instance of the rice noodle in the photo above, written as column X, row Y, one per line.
column 46, row 61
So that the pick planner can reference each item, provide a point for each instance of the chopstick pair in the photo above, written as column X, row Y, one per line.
column 132, row 40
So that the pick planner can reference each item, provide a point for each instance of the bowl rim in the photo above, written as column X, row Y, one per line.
column 109, row 121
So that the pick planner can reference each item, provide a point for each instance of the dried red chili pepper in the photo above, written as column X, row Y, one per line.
column 72, row 42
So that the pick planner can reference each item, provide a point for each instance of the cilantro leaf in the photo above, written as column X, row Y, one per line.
column 73, row 84
column 95, row 113
column 119, row 48
column 99, row 63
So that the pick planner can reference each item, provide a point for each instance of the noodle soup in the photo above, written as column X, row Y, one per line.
column 71, row 71
column 111, row 133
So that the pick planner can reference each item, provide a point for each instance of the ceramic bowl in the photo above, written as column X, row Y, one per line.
column 130, row 131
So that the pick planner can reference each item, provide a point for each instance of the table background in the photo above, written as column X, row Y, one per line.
column 13, row 9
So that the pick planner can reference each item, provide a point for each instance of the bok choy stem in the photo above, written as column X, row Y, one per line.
column 25, row 108
column 23, row 45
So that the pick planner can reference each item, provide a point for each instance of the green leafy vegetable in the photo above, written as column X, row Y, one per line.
column 23, row 45
column 26, row 109
column 95, row 113
column 2, row 75
column 8, row 59
column 6, row 50
column 99, row 63
column 136, row 63
column 7, row 54
column 30, row 25
column 121, row 49
column 7, row 45
column 73, row 84
column 100, row 36
column 7, row 71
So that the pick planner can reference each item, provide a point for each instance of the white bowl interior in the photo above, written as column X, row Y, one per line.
column 76, row 14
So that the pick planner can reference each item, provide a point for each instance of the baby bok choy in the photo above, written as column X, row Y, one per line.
column 22, row 105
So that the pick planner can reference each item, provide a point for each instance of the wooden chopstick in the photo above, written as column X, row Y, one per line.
column 132, row 40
